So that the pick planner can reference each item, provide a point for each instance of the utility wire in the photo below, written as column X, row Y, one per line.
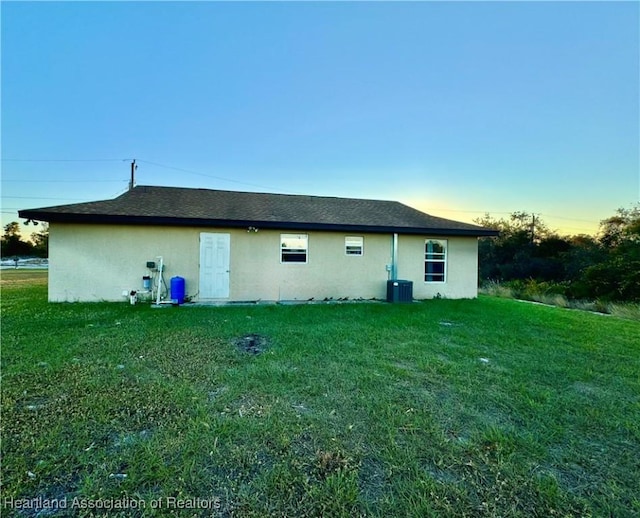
column 39, row 198
column 197, row 173
column 66, row 159
column 490, row 212
column 568, row 219
column 208, row 175
column 63, row 181
column 472, row 211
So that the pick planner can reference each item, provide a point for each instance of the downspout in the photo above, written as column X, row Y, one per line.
column 394, row 257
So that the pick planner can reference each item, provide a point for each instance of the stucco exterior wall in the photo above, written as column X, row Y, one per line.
column 461, row 267
column 257, row 272
column 100, row 262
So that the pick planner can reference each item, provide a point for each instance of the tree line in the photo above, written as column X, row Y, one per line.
column 13, row 245
column 528, row 255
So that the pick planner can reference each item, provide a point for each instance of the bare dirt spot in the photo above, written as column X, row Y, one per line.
column 252, row 344
column 331, row 462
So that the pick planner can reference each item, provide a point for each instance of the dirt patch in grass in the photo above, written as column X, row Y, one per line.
column 329, row 462
column 252, row 343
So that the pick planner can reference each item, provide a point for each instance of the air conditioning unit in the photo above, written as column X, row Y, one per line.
column 399, row 291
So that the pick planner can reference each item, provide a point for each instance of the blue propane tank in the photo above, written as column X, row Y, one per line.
column 177, row 289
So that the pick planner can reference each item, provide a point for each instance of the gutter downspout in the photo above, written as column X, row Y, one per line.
column 394, row 257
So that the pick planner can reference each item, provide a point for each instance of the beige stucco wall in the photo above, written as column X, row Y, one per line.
column 100, row 262
column 257, row 273
column 461, row 268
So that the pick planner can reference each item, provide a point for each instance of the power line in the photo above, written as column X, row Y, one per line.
column 39, row 198
column 568, row 219
column 490, row 212
column 208, row 175
column 222, row 178
column 62, row 181
column 472, row 211
column 65, row 159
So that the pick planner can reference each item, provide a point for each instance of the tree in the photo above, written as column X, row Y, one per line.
column 12, row 230
column 624, row 226
column 12, row 243
column 41, row 241
column 512, row 255
column 617, row 276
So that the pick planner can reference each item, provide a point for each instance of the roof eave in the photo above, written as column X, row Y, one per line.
column 54, row 217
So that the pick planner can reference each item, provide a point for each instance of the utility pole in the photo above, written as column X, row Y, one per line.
column 533, row 227
column 133, row 169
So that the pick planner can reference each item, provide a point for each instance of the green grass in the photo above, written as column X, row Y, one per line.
column 486, row 407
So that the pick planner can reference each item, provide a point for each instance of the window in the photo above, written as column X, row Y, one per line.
column 293, row 248
column 354, row 245
column 435, row 260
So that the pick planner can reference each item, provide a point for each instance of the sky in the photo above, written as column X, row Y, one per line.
column 455, row 108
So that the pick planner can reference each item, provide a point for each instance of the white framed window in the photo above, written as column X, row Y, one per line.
column 294, row 248
column 354, row 245
column 435, row 260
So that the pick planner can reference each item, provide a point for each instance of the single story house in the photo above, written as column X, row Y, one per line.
column 243, row 246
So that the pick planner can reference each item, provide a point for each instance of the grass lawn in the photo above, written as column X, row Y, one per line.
column 487, row 407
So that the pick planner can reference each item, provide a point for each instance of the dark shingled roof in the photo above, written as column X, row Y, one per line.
column 205, row 207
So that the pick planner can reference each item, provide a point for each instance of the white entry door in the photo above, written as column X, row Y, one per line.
column 214, row 265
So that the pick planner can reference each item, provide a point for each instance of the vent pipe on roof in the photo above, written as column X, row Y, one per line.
column 133, row 170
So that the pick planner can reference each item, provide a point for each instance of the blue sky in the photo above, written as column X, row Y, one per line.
column 454, row 108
